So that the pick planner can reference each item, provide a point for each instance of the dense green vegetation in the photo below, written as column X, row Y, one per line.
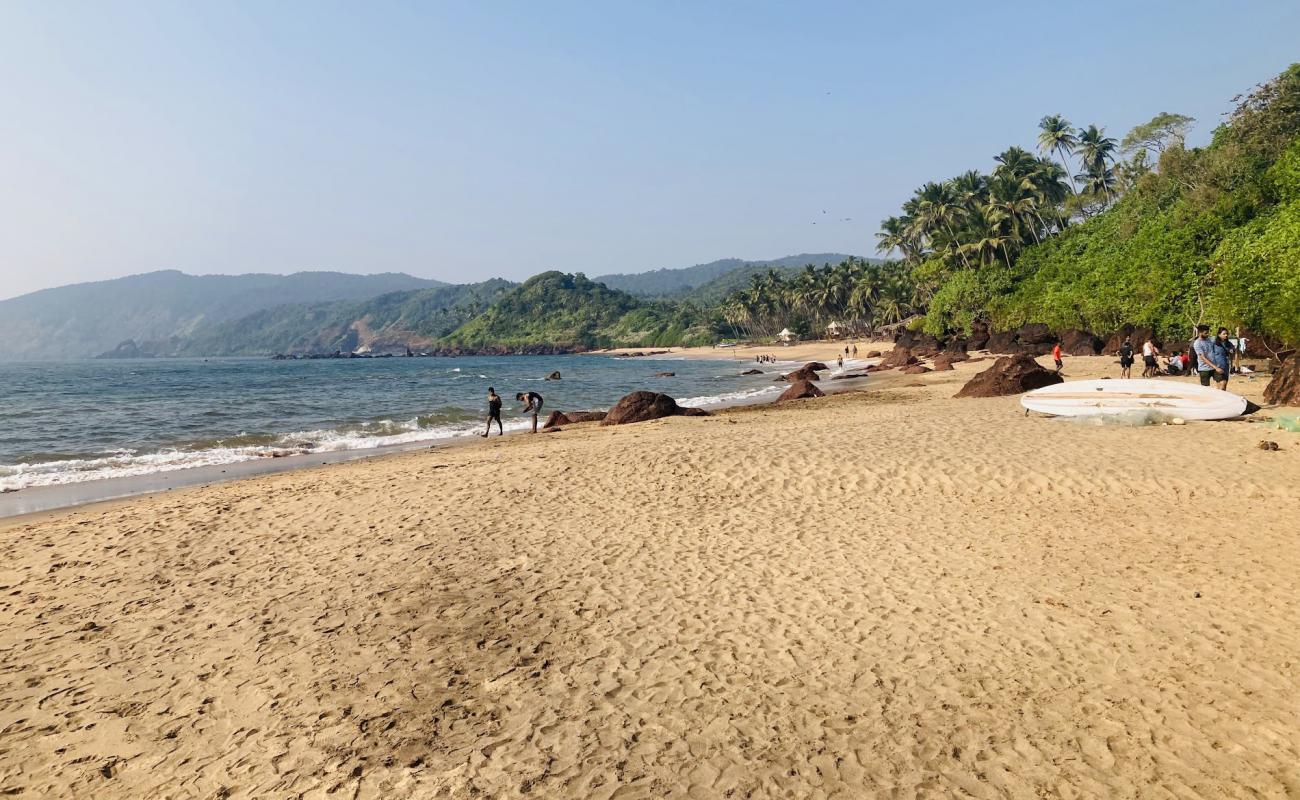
column 1086, row 233
column 570, row 311
column 1208, row 235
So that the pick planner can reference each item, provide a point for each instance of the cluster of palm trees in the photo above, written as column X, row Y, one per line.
column 975, row 219
column 857, row 294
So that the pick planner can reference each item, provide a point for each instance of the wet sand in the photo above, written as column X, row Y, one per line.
column 883, row 593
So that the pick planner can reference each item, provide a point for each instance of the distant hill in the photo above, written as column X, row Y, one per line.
column 388, row 323
column 572, row 312
column 677, row 282
column 86, row 319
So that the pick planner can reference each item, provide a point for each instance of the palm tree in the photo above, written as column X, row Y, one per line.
column 1097, row 151
column 1055, row 135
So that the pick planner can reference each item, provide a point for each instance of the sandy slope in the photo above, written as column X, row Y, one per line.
column 888, row 594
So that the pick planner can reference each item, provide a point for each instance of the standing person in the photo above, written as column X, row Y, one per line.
column 840, row 362
column 1151, row 367
column 1126, row 358
column 1056, row 355
column 1229, row 348
column 533, row 402
column 855, row 351
column 1211, row 360
column 494, row 412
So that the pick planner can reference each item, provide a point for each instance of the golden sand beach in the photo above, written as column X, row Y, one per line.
column 888, row 593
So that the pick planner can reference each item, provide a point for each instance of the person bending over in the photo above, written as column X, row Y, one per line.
column 533, row 403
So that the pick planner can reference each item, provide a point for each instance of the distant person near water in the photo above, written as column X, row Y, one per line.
column 1126, row 358
column 839, row 360
column 1151, row 367
column 855, row 351
column 494, row 413
column 1213, row 357
column 1056, row 356
column 533, row 403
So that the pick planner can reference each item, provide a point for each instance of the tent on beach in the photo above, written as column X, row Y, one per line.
column 834, row 330
column 786, row 336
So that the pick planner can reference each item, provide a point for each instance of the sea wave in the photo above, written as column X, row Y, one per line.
column 131, row 463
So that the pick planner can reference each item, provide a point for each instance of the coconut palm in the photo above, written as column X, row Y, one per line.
column 1056, row 136
column 1097, row 151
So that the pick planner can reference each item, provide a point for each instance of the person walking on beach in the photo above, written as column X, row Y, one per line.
column 494, row 412
column 1212, row 358
column 533, row 403
column 1056, row 356
column 855, row 351
column 1151, row 367
column 1126, row 358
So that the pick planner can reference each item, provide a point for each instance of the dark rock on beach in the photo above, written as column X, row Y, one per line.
column 816, row 366
column 916, row 369
column 554, row 376
column 872, row 354
column 1010, row 375
column 807, row 372
column 1284, row 388
column 899, row 357
column 1075, row 342
column 572, row 418
column 665, row 374
column 644, row 406
column 800, row 391
column 752, row 372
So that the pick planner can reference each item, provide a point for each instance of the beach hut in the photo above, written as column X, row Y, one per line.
column 834, row 330
column 786, row 336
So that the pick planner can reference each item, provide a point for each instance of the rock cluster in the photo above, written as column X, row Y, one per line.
column 1010, row 375
column 644, row 406
column 1284, row 388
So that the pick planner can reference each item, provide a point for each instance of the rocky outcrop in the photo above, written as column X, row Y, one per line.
column 1075, row 342
column 645, row 406
column 872, row 354
column 1284, row 388
column 1010, row 375
column 801, row 390
column 916, row 369
column 808, row 372
column 844, row 376
column 665, row 374
column 918, row 343
column 554, row 376
column 899, row 357
column 128, row 349
column 752, row 372
column 558, row 418
column 1138, row 335
column 943, row 362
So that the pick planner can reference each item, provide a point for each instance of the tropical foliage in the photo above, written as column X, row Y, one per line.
column 1202, row 235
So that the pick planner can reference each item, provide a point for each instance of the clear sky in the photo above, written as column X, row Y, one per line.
column 468, row 140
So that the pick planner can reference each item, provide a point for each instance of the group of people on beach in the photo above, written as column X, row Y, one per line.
column 532, row 404
column 1211, row 358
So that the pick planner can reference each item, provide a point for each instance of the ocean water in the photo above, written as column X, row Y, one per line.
column 66, row 422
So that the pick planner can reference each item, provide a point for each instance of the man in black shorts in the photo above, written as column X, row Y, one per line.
column 534, row 404
column 1126, row 358
column 494, row 412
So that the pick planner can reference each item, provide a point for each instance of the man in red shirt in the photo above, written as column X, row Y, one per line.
column 1056, row 356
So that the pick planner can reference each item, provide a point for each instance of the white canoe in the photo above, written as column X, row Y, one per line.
column 1174, row 398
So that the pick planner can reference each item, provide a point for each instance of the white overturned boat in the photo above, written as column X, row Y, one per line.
column 1173, row 398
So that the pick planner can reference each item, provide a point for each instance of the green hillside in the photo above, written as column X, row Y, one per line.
column 571, row 311
column 391, row 321
column 672, row 283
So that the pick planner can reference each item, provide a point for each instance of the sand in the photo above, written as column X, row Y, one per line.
column 881, row 594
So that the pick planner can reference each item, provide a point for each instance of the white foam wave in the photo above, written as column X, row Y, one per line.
column 126, row 463
column 730, row 398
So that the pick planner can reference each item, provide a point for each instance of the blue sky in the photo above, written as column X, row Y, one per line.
column 469, row 140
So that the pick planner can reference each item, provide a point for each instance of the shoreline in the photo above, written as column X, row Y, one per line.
column 38, row 500
column 880, row 591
